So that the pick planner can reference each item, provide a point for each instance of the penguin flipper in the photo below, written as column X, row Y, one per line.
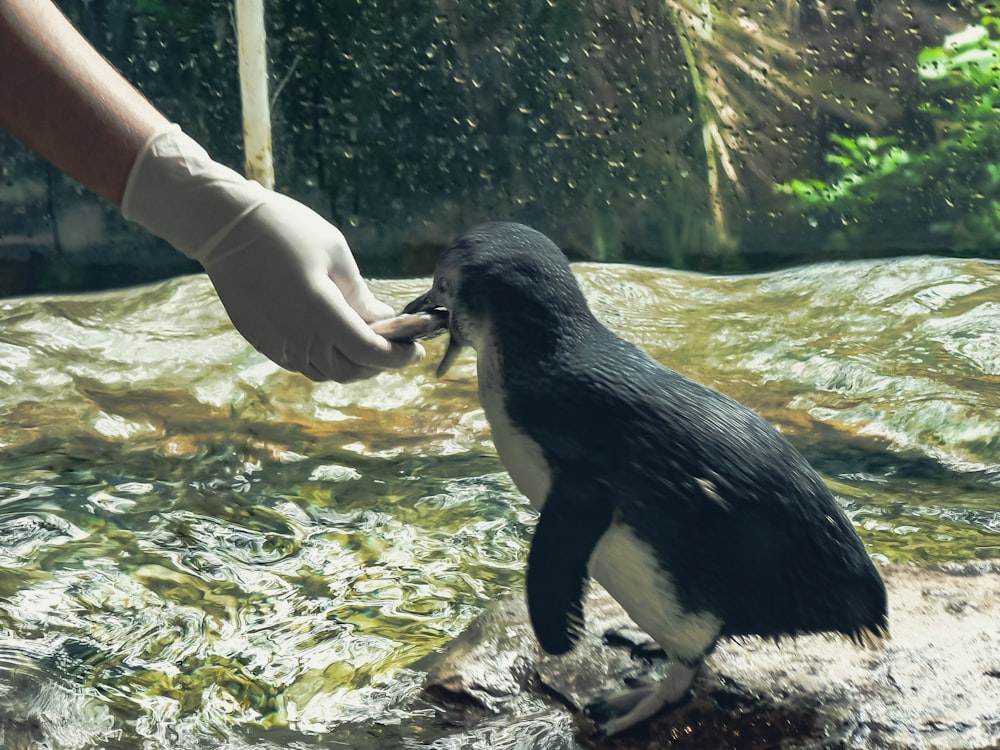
column 568, row 529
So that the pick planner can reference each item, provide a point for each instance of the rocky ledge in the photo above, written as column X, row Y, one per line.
column 934, row 684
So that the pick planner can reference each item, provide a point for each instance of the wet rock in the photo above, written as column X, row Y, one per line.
column 934, row 684
column 491, row 662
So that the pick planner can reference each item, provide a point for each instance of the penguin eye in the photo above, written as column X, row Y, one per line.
column 443, row 286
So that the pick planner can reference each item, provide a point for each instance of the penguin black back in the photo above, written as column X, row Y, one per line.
column 747, row 528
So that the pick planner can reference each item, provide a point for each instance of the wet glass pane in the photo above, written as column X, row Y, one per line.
column 200, row 550
column 706, row 135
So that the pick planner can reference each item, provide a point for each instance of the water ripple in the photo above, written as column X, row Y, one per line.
column 200, row 550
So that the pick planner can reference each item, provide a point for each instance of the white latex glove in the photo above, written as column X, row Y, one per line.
column 286, row 276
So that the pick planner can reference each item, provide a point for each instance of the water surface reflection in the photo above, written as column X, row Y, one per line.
column 198, row 549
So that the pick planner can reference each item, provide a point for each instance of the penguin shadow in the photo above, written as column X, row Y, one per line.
column 720, row 712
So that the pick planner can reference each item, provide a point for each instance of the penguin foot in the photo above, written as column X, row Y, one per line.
column 640, row 645
column 649, row 651
column 624, row 710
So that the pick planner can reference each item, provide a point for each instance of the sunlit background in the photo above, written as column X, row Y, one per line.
column 694, row 133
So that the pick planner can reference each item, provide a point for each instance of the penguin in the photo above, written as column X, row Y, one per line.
column 691, row 510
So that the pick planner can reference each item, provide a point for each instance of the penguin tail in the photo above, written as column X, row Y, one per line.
column 871, row 636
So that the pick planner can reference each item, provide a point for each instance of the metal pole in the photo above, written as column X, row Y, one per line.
column 253, row 87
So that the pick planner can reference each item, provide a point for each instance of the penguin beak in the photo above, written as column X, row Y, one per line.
column 425, row 304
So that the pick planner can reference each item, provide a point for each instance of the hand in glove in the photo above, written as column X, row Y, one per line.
column 286, row 276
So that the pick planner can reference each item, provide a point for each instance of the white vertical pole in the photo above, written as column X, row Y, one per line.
column 253, row 86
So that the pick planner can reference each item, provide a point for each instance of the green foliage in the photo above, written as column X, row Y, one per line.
column 945, row 176
column 862, row 162
column 968, row 57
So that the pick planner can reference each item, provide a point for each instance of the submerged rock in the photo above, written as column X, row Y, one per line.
column 934, row 684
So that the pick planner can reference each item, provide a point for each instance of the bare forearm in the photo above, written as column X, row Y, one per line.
column 285, row 275
column 62, row 99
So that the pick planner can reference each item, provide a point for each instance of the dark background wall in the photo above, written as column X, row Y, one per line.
column 627, row 131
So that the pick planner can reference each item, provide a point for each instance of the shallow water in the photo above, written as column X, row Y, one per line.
column 198, row 549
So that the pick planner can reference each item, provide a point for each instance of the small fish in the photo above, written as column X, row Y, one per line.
column 412, row 326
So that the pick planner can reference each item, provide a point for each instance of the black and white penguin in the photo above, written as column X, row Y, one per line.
column 693, row 512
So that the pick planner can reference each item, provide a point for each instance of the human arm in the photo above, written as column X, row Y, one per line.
column 286, row 276
column 62, row 99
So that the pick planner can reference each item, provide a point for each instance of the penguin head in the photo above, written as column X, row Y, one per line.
column 503, row 279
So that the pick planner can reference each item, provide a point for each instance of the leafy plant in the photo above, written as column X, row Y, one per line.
column 861, row 162
column 759, row 68
column 945, row 177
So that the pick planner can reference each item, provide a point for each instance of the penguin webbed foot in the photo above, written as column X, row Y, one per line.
column 640, row 645
column 625, row 710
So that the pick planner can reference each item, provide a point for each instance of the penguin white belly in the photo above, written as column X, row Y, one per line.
column 521, row 455
column 627, row 568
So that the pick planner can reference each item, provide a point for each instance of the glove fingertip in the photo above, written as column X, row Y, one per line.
column 406, row 353
column 373, row 309
column 379, row 310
